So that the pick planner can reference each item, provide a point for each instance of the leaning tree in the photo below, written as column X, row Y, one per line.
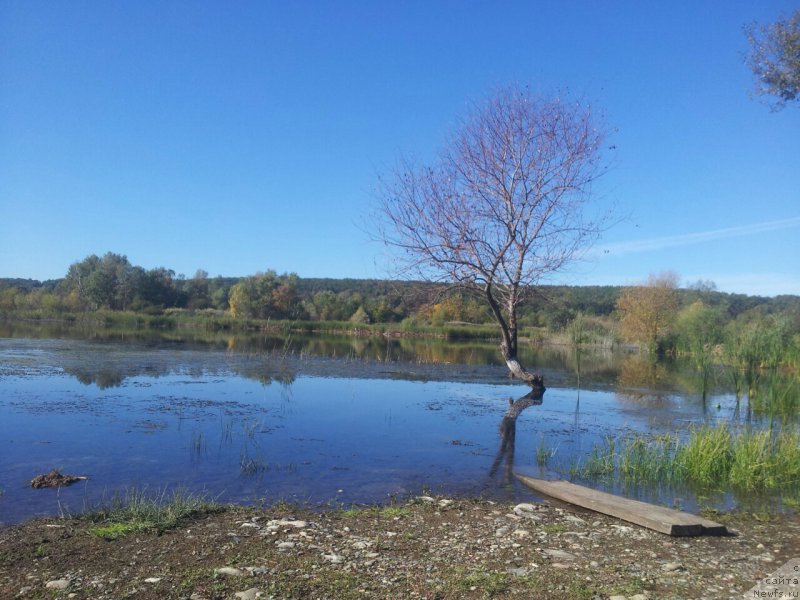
column 504, row 203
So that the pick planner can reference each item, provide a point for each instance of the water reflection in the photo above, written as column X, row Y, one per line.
column 641, row 382
column 600, row 364
column 102, row 378
column 207, row 415
column 111, row 370
column 508, row 435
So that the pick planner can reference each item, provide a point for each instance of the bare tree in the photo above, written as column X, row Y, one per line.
column 503, row 204
column 775, row 58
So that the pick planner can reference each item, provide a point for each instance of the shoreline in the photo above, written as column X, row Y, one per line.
column 425, row 548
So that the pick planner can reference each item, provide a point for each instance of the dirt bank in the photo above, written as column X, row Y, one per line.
column 429, row 548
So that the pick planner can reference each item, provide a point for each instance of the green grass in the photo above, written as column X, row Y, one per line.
column 706, row 457
column 490, row 584
column 115, row 531
column 544, row 452
column 140, row 510
column 711, row 457
column 763, row 460
column 391, row 511
column 553, row 528
column 630, row 588
column 778, row 398
column 631, row 459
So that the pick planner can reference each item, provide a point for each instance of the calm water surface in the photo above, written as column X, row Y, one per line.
column 253, row 421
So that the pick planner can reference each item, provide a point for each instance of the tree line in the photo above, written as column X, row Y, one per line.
column 656, row 313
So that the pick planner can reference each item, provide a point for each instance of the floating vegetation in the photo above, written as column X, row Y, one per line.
column 55, row 479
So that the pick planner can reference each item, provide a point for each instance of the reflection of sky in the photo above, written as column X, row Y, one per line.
column 178, row 418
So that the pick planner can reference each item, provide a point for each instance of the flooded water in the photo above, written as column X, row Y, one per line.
column 320, row 421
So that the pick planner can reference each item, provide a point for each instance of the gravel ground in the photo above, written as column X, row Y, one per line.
column 428, row 548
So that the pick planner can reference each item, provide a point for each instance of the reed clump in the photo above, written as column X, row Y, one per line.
column 717, row 457
column 632, row 459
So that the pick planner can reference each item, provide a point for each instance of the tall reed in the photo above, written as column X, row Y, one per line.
column 705, row 458
column 711, row 457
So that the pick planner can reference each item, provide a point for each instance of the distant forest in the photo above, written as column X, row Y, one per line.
column 112, row 283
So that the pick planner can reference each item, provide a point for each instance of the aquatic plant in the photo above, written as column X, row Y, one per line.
column 706, row 457
column 227, row 431
column 780, row 398
column 544, row 452
column 198, row 444
column 631, row 459
column 250, row 428
column 766, row 460
column 711, row 457
column 252, row 465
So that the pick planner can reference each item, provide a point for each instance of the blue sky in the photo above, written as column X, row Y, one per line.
column 239, row 137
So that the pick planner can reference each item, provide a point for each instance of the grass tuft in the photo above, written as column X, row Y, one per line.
column 139, row 510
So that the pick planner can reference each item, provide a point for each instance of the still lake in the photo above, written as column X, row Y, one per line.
column 318, row 420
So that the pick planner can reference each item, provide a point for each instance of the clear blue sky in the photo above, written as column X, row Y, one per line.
column 239, row 137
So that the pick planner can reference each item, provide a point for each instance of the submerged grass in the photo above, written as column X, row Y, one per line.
column 779, row 398
column 140, row 510
column 632, row 459
column 544, row 452
column 711, row 457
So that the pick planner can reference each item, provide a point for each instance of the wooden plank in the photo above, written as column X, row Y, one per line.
column 665, row 520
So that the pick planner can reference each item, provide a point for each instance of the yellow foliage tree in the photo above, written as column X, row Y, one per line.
column 648, row 310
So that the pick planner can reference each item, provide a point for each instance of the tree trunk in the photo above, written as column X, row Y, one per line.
column 517, row 370
column 508, row 346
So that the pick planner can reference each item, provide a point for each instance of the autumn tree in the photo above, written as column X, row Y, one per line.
column 647, row 311
column 774, row 58
column 503, row 205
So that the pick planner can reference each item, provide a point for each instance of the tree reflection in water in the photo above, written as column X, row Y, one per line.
column 508, row 434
